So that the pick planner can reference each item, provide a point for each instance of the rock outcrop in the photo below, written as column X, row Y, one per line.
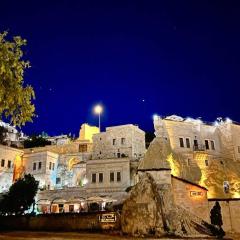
column 150, row 211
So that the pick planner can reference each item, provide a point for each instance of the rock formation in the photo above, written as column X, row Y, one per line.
column 150, row 211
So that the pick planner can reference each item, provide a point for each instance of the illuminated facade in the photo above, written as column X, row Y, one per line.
column 208, row 154
column 10, row 166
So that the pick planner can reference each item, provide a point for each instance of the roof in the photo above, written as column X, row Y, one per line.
column 189, row 182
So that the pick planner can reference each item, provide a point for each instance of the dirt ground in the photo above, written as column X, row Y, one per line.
column 74, row 236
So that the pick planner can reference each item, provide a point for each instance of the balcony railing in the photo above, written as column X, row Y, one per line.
column 199, row 147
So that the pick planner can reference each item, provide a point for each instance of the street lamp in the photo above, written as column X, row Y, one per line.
column 98, row 110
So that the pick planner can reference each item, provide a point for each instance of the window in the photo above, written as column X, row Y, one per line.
column 238, row 149
column 206, row 144
column 83, row 148
column 71, row 208
column 118, row 176
column 2, row 163
column 212, row 145
column 195, row 142
column 100, row 152
column 34, row 166
column 9, row 164
column 100, row 177
column 58, row 180
column 114, row 141
column 53, row 166
column 123, row 140
column 226, row 186
column 188, row 142
column 111, row 176
column 181, row 142
column 50, row 165
column 118, row 154
column 188, row 161
column 206, row 162
column 94, row 178
column 39, row 165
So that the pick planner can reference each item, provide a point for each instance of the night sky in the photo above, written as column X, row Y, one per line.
column 137, row 58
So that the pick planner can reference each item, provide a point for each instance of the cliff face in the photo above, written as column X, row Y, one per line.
column 150, row 211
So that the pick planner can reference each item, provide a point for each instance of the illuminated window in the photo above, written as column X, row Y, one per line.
column 34, row 166
column 188, row 142
column 71, row 208
column 195, row 193
column 100, row 177
column 118, row 176
column 2, row 162
column 9, row 164
column 226, row 186
column 39, row 165
column 123, row 140
column 83, row 148
column 111, row 176
column 206, row 144
column 114, row 141
column 94, row 177
column 181, row 142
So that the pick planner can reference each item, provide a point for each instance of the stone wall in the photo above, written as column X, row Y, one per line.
column 230, row 210
column 191, row 197
column 58, row 222
column 106, row 167
column 9, row 157
column 124, row 140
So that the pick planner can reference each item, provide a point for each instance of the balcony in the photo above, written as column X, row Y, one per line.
column 199, row 148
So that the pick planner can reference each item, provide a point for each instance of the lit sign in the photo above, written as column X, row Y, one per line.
column 195, row 193
column 108, row 218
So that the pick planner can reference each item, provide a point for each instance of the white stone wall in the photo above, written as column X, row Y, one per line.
column 129, row 141
column 6, row 173
column 45, row 175
column 106, row 166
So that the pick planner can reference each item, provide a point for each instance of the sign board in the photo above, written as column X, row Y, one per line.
column 108, row 218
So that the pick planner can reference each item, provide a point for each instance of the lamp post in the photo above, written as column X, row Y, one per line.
column 98, row 110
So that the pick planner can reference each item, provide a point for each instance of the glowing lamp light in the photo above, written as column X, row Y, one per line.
column 155, row 116
column 98, row 109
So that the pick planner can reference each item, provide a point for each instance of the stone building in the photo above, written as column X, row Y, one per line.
column 111, row 168
column 10, row 166
column 43, row 166
column 201, row 151
column 119, row 141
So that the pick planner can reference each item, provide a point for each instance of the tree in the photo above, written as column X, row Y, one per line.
column 36, row 141
column 15, row 98
column 20, row 196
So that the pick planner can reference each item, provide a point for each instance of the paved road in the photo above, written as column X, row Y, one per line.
column 67, row 236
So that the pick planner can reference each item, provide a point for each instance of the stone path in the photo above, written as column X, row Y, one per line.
column 73, row 236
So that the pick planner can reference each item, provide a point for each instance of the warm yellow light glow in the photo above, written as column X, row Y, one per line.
column 174, row 165
column 87, row 132
column 98, row 109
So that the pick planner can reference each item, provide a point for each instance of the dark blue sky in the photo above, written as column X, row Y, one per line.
column 181, row 57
